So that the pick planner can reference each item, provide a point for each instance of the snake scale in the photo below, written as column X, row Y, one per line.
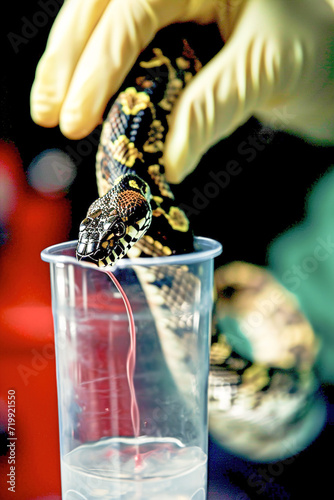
column 255, row 405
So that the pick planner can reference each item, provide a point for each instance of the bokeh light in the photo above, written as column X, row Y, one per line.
column 51, row 172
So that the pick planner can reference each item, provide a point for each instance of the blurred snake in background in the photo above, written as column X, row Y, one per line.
column 262, row 384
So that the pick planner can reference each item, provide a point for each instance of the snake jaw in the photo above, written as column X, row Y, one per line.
column 104, row 250
column 118, row 249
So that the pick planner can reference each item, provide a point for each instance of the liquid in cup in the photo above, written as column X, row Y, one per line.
column 108, row 450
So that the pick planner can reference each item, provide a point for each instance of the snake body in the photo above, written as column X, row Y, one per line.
column 252, row 402
column 137, row 206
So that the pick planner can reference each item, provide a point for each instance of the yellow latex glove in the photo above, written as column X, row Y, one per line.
column 277, row 65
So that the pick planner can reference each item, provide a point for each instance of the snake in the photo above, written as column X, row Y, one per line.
column 259, row 403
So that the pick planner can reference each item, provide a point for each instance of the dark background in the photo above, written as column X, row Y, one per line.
column 265, row 199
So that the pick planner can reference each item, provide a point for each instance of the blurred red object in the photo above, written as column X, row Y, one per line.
column 27, row 365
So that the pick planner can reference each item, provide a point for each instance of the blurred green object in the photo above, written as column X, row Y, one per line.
column 302, row 258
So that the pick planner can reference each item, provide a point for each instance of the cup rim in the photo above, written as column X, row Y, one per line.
column 205, row 249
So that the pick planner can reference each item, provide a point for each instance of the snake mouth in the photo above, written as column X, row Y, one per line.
column 107, row 249
column 100, row 257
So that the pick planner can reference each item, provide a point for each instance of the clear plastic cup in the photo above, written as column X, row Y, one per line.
column 132, row 377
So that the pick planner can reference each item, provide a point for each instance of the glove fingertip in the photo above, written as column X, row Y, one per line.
column 74, row 129
column 178, row 163
column 43, row 112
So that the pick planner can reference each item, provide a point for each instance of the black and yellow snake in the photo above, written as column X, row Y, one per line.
column 257, row 402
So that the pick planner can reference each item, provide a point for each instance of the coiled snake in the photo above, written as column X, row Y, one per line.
column 258, row 398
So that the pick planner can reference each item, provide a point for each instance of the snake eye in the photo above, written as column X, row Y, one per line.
column 119, row 229
column 107, row 226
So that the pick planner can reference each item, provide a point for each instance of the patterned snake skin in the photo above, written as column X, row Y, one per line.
column 259, row 394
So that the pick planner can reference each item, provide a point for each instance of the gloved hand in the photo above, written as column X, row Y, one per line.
column 277, row 65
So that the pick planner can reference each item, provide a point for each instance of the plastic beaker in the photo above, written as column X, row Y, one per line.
column 132, row 378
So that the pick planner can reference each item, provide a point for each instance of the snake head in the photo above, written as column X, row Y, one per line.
column 115, row 222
